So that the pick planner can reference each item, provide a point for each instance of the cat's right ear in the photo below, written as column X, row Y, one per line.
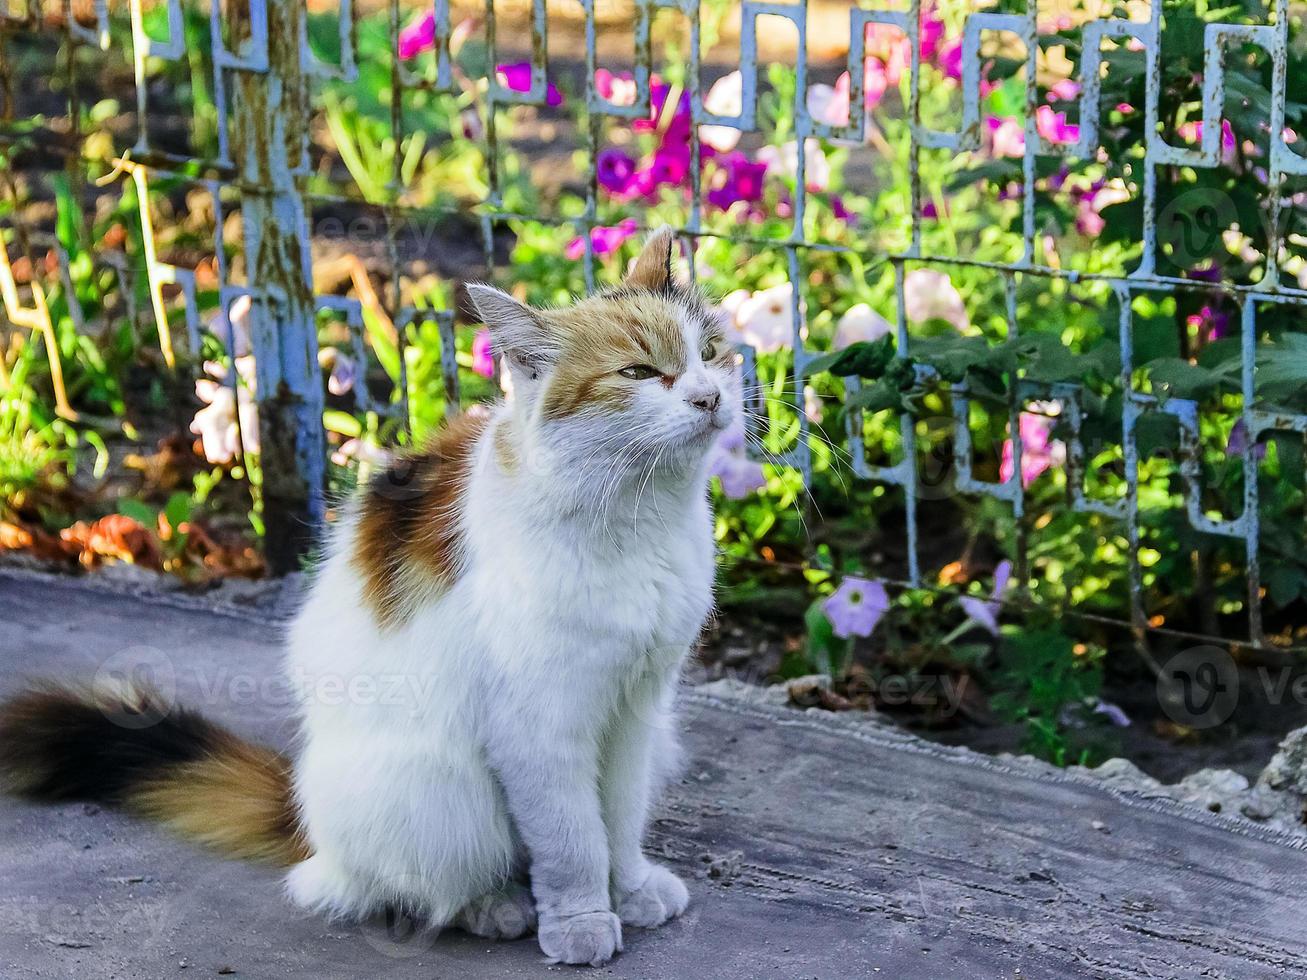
column 517, row 332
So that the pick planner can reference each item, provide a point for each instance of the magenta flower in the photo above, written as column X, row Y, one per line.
column 1052, row 125
column 743, row 181
column 930, row 33
column 841, row 211
column 615, row 170
column 483, row 354
column 984, row 612
column 950, row 60
column 418, row 36
column 1209, row 322
column 602, row 239
column 856, row 607
column 671, row 163
column 1039, row 450
column 679, row 125
column 1192, row 132
column 517, row 78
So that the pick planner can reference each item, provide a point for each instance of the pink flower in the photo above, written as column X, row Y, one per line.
column 617, row 87
column 679, row 124
column 764, row 320
column 1192, row 132
column 615, row 170
column 1007, row 138
column 984, row 612
column 418, row 36
column 930, row 295
column 856, row 606
column 517, row 78
column 1052, row 125
column 785, row 160
column 1064, row 90
column 1039, row 450
column 483, row 354
column 603, row 240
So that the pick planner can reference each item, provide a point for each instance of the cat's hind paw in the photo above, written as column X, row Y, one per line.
column 506, row 913
column 663, row 896
column 590, row 937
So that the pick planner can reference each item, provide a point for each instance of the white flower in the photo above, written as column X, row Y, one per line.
column 812, row 405
column 931, row 295
column 785, row 160
column 215, row 424
column 367, row 453
column 860, row 323
column 723, row 99
column 825, row 105
column 763, row 320
column 232, row 325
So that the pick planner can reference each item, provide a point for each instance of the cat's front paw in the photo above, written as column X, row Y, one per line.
column 663, row 896
column 590, row 937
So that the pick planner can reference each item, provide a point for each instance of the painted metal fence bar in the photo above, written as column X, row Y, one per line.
column 264, row 79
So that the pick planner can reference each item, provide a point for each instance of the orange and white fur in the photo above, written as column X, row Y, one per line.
column 530, row 584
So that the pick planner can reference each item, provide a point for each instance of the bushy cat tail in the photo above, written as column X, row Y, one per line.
column 127, row 746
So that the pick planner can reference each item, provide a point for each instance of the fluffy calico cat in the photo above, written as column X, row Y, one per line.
column 530, row 583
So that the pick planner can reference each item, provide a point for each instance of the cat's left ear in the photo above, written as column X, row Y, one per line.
column 653, row 269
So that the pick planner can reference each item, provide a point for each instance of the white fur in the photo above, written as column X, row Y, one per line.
column 521, row 721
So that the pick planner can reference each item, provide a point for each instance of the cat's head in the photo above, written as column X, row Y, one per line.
column 637, row 372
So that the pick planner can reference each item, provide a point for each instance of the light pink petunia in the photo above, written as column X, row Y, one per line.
column 856, row 606
column 1039, row 450
column 764, row 319
column 860, row 324
column 930, row 295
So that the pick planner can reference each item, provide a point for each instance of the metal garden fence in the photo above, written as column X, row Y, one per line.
column 264, row 84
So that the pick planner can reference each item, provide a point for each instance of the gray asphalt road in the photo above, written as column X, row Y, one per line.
column 816, row 847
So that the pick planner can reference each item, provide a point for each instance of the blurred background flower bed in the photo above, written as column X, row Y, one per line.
column 119, row 444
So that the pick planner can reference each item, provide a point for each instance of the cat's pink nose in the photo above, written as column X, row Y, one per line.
column 707, row 400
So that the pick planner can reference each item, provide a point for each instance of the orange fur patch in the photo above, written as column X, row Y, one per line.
column 610, row 331
column 408, row 536
column 237, row 800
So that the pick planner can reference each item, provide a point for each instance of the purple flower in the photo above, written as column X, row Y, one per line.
column 739, row 475
column 615, row 170
column 418, row 36
column 1238, row 443
column 1113, row 713
column 984, row 612
column 517, row 78
column 1209, row 322
column 603, row 239
column 856, row 607
column 483, row 355
column 742, row 181
column 841, row 211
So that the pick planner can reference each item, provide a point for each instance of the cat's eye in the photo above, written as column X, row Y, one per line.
column 639, row 372
column 709, row 351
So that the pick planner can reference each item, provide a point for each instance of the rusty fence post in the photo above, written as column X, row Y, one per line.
column 269, row 120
